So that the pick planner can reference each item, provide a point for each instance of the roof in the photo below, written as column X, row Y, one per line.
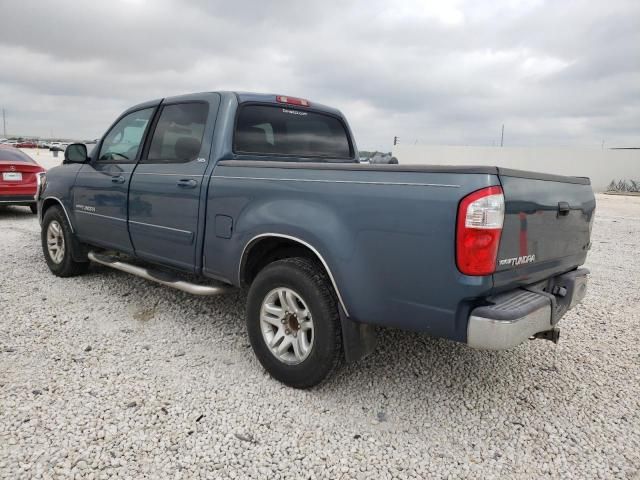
column 244, row 97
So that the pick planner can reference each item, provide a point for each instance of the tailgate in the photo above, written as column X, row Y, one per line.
column 547, row 226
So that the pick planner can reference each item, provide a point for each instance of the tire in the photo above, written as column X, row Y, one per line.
column 34, row 208
column 60, row 261
column 298, row 367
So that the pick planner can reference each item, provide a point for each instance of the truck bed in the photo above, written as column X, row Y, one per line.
column 404, row 217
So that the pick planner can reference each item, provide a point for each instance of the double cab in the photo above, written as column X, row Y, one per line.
column 211, row 192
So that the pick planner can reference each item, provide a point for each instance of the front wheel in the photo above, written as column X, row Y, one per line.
column 57, row 242
column 293, row 322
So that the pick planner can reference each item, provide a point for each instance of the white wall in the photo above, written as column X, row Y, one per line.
column 601, row 165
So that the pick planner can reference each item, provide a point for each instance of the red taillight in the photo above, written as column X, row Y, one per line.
column 292, row 101
column 480, row 219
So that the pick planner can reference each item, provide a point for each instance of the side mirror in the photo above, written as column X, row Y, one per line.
column 76, row 153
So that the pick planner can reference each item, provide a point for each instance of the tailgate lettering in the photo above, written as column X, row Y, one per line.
column 518, row 260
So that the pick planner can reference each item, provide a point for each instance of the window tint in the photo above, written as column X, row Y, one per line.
column 123, row 141
column 178, row 134
column 285, row 131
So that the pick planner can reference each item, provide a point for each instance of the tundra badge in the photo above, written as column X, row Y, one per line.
column 518, row 260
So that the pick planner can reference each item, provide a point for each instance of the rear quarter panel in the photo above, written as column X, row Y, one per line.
column 387, row 237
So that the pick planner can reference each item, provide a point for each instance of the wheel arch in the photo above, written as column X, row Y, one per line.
column 358, row 339
column 47, row 203
column 264, row 248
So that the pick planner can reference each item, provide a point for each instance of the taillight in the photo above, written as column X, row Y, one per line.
column 480, row 219
column 292, row 101
column 41, row 179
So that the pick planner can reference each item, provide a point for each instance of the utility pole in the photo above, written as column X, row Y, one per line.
column 502, row 136
column 4, row 124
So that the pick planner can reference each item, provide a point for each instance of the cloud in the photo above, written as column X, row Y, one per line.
column 432, row 72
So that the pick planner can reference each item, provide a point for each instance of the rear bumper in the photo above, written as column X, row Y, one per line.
column 17, row 199
column 513, row 317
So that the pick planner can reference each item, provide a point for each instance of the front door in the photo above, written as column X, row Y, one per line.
column 100, row 190
column 164, row 196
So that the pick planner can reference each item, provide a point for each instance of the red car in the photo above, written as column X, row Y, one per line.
column 27, row 144
column 20, row 178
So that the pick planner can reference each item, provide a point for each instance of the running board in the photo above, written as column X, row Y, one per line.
column 157, row 276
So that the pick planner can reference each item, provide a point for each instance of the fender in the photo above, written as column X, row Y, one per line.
column 302, row 242
column 358, row 339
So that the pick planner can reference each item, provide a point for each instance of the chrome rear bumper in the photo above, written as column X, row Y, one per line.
column 513, row 317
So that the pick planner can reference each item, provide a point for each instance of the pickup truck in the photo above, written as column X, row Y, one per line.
column 217, row 191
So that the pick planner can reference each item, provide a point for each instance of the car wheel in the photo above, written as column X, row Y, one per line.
column 293, row 322
column 57, row 242
column 34, row 208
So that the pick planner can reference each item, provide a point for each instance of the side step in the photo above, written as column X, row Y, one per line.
column 157, row 276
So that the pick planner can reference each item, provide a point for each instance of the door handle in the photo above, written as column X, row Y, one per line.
column 118, row 179
column 187, row 183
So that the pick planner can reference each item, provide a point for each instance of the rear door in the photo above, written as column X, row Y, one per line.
column 547, row 226
column 164, row 197
column 100, row 190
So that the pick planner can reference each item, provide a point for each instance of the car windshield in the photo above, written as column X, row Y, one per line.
column 14, row 155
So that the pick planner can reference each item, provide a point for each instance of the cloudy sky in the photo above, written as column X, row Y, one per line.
column 433, row 72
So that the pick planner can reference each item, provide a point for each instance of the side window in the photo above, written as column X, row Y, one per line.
column 123, row 141
column 178, row 134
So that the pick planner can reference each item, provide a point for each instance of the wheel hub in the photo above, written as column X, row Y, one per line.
column 286, row 325
column 55, row 241
column 292, row 321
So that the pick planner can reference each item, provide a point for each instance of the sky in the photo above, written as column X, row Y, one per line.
column 444, row 72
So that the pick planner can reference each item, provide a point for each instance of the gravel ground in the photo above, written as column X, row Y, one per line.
column 107, row 375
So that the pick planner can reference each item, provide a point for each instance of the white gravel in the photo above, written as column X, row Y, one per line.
column 109, row 376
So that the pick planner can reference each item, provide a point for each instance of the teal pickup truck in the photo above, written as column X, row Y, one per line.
column 213, row 191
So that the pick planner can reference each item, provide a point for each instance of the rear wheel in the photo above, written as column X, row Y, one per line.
column 293, row 322
column 57, row 242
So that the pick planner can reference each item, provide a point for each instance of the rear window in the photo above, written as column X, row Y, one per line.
column 14, row 155
column 283, row 130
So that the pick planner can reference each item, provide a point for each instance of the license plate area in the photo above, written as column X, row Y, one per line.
column 12, row 176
